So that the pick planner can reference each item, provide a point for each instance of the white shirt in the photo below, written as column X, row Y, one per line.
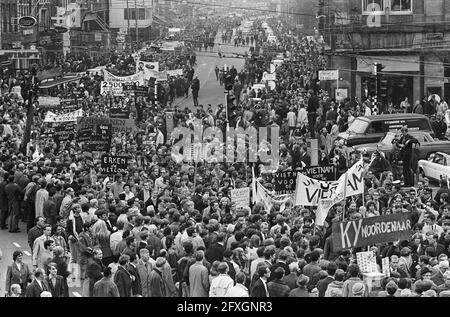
column 220, row 286
column 238, row 291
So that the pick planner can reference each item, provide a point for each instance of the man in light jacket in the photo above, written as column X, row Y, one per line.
column 198, row 277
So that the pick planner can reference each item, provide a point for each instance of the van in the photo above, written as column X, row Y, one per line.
column 371, row 129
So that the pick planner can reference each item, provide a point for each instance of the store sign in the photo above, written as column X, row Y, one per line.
column 27, row 21
column 328, row 75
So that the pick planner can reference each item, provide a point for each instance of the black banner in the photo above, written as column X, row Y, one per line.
column 101, row 138
column 285, row 181
column 373, row 230
column 69, row 104
column 134, row 90
column 321, row 173
column 111, row 164
column 64, row 131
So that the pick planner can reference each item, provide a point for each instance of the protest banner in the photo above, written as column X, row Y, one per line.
column 285, row 182
column 111, row 165
column 137, row 78
column 324, row 194
column 67, row 117
column 241, row 197
column 368, row 231
column 142, row 66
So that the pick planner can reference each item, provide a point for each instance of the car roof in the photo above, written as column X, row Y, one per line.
column 392, row 117
column 418, row 132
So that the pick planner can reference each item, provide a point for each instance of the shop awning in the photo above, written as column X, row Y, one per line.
column 56, row 82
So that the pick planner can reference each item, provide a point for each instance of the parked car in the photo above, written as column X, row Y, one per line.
column 371, row 129
column 435, row 166
column 427, row 144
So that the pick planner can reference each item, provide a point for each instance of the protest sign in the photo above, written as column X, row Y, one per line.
column 368, row 231
column 114, row 88
column 285, row 182
column 142, row 66
column 69, row 104
column 367, row 261
column 64, row 131
column 135, row 91
column 323, row 173
column 111, row 165
column 101, row 138
column 385, row 266
column 241, row 197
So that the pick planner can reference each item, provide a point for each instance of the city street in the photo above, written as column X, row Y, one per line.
column 210, row 90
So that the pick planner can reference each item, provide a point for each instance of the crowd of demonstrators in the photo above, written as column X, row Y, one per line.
column 166, row 228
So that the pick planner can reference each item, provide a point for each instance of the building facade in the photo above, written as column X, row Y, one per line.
column 409, row 38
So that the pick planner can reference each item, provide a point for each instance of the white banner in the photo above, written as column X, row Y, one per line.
column 175, row 72
column 241, row 197
column 136, row 78
column 311, row 192
column 67, row 117
column 112, row 87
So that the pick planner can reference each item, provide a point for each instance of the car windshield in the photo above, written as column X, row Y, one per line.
column 358, row 126
column 387, row 140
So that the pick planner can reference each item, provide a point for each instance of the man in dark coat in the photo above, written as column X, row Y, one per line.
column 136, row 286
column 195, row 89
column 13, row 194
column 260, row 287
column 123, row 278
column 322, row 285
column 94, row 269
column 157, row 287
column 277, row 287
column 38, row 285
column 406, row 145
column 3, row 203
column 216, row 250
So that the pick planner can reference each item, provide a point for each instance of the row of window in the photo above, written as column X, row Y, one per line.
column 130, row 14
column 394, row 6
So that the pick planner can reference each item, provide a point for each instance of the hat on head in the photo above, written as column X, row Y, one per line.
column 358, row 289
